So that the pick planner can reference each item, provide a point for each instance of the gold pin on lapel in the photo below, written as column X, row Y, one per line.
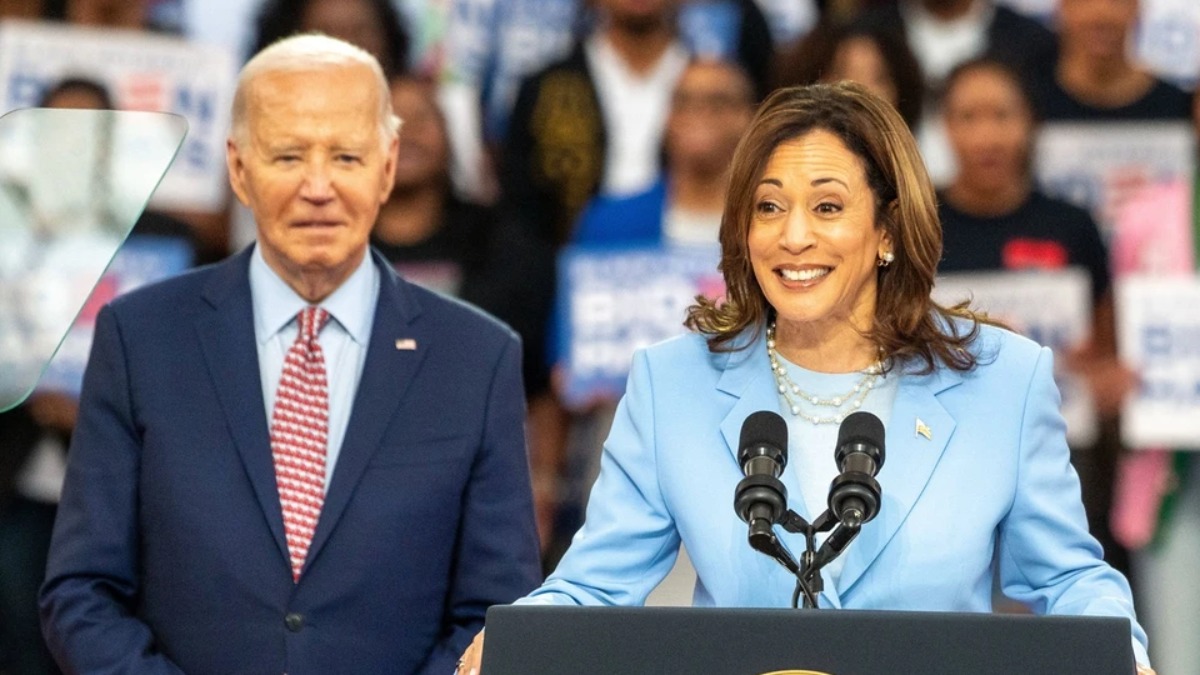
column 406, row 344
column 924, row 430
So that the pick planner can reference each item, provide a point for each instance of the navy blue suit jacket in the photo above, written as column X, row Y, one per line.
column 169, row 550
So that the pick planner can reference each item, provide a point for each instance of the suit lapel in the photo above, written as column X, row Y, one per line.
column 747, row 378
column 388, row 372
column 227, row 341
column 910, row 460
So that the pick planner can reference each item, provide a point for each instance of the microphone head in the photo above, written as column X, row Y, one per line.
column 763, row 428
column 862, row 428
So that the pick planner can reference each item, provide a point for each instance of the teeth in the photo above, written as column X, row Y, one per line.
column 804, row 275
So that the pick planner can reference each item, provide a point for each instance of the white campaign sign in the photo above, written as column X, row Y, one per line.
column 142, row 72
column 1051, row 308
column 1097, row 165
column 1158, row 333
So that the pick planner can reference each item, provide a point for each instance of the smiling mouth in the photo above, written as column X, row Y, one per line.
column 805, row 275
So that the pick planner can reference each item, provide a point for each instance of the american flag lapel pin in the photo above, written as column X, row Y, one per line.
column 923, row 430
column 406, row 344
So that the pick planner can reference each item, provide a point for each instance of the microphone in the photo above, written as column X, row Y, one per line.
column 854, row 495
column 761, row 499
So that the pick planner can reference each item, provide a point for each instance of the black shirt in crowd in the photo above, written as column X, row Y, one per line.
column 492, row 263
column 1163, row 102
column 1043, row 233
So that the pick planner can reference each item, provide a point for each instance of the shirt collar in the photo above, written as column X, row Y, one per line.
column 351, row 305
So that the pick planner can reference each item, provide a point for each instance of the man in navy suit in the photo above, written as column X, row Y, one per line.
column 293, row 461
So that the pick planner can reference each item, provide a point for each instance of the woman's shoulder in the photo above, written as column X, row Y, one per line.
column 685, row 350
column 1000, row 352
column 995, row 348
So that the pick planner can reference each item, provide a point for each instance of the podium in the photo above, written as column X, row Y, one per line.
column 537, row 640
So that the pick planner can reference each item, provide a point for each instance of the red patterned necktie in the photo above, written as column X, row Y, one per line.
column 299, row 432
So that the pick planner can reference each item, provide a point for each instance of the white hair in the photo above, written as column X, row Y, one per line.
column 310, row 51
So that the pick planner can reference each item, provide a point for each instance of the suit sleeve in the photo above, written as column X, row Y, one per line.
column 628, row 542
column 497, row 558
column 92, row 583
column 1047, row 558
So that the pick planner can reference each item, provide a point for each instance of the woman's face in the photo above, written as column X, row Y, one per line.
column 858, row 59
column 710, row 110
column 424, row 151
column 813, row 239
column 990, row 129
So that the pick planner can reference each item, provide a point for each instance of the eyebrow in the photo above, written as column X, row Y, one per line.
column 816, row 182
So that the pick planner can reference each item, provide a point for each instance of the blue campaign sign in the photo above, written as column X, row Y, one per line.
column 1160, row 336
column 614, row 301
column 142, row 259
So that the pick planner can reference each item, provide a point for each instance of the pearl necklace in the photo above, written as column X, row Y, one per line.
column 793, row 395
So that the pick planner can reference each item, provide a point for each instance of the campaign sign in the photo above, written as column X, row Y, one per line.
column 142, row 71
column 1158, row 332
column 614, row 301
column 140, row 260
column 1168, row 39
column 1053, row 308
column 1099, row 165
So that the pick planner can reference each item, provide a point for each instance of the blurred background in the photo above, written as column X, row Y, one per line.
column 562, row 165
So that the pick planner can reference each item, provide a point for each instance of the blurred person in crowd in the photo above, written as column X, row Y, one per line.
column 589, row 124
column 33, row 444
column 1092, row 76
column 994, row 218
column 373, row 25
column 877, row 58
column 944, row 33
column 593, row 123
column 489, row 47
column 435, row 239
column 710, row 109
column 830, row 243
column 294, row 442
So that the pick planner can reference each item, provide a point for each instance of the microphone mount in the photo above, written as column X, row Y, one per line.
column 807, row 571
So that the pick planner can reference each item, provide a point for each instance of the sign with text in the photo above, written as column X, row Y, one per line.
column 613, row 302
column 1051, row 308
column 1098, row 166
column 1158, row 333
column 141, row 71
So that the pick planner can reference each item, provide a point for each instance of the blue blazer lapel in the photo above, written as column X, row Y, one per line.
column 747, row 378
column 910, row 461
column 227, row 341
column 387, row 375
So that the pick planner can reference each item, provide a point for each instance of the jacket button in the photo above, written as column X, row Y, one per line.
column 294, row 622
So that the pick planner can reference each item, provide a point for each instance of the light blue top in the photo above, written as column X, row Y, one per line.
column 977, row 483
column 811, row 446
column 344, row 339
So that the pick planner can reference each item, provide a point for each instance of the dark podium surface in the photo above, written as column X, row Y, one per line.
column 524, row 640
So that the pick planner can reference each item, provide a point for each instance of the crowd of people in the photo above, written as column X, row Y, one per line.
column 616, row 126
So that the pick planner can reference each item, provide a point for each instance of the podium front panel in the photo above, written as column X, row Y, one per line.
column 525, row 640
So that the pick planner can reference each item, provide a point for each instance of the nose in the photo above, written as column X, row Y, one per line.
column 798, row 233
column 318, row 183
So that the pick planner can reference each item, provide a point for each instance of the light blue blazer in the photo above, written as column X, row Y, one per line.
column 994, row 476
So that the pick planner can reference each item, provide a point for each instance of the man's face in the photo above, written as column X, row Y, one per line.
column 636, row 14
column 1097, row 28
column 313, row 168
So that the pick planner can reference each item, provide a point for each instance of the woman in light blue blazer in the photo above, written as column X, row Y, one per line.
column 830, row 242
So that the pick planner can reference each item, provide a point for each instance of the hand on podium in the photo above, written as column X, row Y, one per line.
column 470, row 663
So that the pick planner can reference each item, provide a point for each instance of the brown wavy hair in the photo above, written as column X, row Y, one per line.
column 908, row 325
